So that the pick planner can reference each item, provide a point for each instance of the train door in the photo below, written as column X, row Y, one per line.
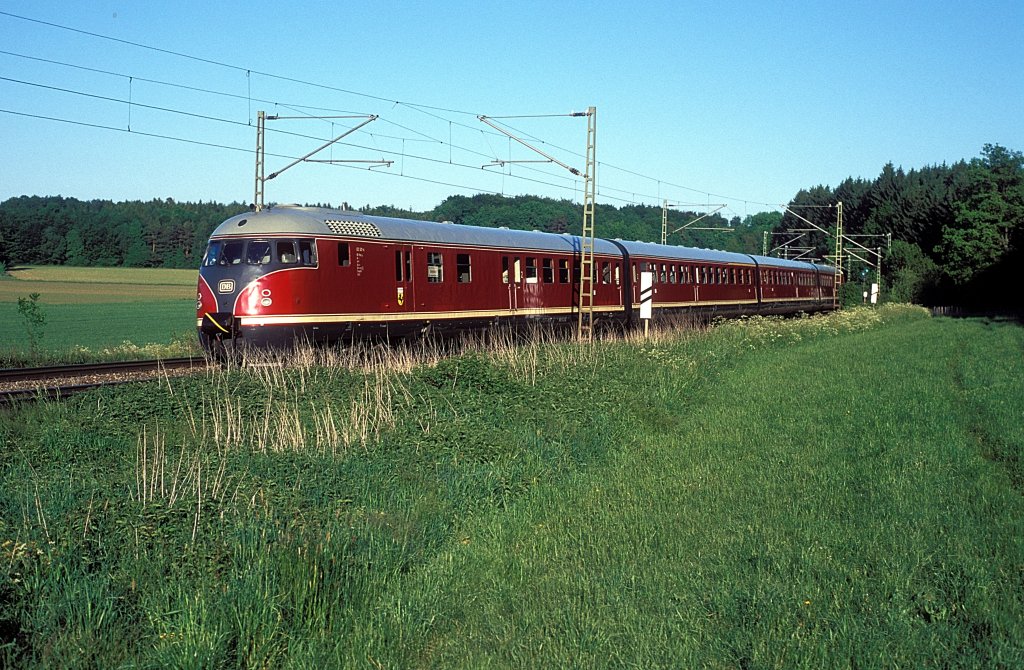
column 512, row 277
column 634, row 275
column 405, row 299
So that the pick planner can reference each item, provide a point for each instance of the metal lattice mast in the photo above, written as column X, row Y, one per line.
column 839, row 254
column 261, row 128
column 261, row 125
column 585, row 326
column 664, row 221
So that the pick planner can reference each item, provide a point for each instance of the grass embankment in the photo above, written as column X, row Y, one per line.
column 825, row 492
column 98, row 314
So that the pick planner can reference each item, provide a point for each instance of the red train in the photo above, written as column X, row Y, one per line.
column 271, row 277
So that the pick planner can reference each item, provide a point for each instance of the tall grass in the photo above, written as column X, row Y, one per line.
column 828, row 491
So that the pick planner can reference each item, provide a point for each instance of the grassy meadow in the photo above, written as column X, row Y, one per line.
column 98, row 313
column 838, row 491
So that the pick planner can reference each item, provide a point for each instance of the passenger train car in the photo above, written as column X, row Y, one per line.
column 282, row 274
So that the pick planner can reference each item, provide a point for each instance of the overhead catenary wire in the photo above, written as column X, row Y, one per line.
column 430, row 110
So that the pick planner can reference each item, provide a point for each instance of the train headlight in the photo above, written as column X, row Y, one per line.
column 266, row 302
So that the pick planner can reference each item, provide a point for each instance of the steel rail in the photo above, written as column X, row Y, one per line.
column 58, row 382
column 83, row 369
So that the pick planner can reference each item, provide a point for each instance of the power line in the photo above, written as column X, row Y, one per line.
column 294, row 106
column 423, row 108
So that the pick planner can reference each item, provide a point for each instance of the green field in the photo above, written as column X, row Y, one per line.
column 98, row 313
column 842, row 491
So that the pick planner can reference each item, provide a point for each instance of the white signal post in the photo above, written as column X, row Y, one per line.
column 646, row 298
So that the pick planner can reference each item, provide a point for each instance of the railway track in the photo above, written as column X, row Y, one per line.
column 62, row 381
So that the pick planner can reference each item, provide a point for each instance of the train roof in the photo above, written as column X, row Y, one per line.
column 319, row 221
column 290, row 220
column 691, row 254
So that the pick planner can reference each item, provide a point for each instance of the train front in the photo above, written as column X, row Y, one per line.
column 248, row 279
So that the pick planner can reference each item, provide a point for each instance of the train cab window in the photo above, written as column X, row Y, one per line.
column 606, row 272
column 285, row 252
column 435, row 267
column 547, row 271
column 399, row 267
column 212, row 251
column 531, row 270
column 258, row 252
column 462, row 268
column 232, row 254
column 343, row 260
column 563, row 271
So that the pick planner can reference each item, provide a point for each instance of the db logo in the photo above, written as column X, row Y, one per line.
column 401, row 296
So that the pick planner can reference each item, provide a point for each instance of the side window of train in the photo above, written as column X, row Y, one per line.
column 285, row 252
column 606, row 272
column 563, row 271
column 547, row 271
column 662, row 276
column 618, row 275
column 531, row 270
column 435, row 267
column 463, row 268
column 504, row 269
column 399, row 266
column 343, row 259
column 307, row 252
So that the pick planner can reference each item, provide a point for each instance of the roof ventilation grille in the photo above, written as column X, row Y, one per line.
column 356, row 228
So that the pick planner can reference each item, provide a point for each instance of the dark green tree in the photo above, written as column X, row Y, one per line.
column 988, row 215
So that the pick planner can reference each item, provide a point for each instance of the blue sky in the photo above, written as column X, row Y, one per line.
column 697, row 102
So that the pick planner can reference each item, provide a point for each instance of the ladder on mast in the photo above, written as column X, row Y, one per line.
column 261, row 126
column 836, row 299
column 585, row 325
